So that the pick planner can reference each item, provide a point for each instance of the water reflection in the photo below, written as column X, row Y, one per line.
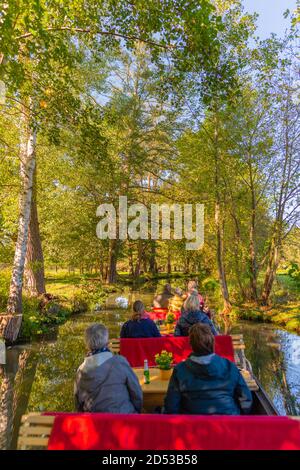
column 273, row 355
column 40, row 377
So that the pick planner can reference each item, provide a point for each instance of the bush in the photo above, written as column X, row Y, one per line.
column 253, row 315
column 210, row 284
column 79, row 303
column 294, row 273
column 37, row 320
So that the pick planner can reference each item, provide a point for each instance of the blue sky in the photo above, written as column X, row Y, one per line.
column 270, row 15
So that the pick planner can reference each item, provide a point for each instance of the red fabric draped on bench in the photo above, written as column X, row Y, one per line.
column 136, row 350
column 161, row 313
column 178, row 432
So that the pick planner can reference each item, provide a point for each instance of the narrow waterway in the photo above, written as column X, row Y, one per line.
column 39, row 376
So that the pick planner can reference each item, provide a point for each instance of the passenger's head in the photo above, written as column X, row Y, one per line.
column 202, row 340
column 192, row 303
column 96, row 336
column 168, row 288
column 178, row 291
column 138, row 310
column 192, row 285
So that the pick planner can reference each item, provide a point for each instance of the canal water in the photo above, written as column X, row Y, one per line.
column 39, row 376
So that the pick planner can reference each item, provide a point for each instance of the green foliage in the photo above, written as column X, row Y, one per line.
column 252, row 314
column 294, row 273
column 4, row 286
column 36, row 323
column 170, row 318
column 210, row 284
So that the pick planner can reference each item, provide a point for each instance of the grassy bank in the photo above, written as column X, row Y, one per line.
column 285, row 308
column 70, row 295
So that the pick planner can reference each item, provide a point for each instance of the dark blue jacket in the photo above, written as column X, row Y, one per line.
column 213, row 387
column 188, row 319
column 144, row 328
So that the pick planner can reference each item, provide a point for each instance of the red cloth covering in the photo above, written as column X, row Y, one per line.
column 173, row 432
column 136, row 350
column 161, row 313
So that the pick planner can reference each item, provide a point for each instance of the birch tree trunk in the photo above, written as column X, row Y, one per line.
column 34, row 263
column 11, row 322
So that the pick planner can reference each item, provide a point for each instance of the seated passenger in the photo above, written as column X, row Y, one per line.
column 206, row 384
column 162, row 300
column 140, row 326
column 105, row 383
column 191, row 313
column 175, row 303
column 192, row 287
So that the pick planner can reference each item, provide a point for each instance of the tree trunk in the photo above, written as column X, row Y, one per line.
column 101, row 268
column 218, row 224
column 130, row 256
column 145, row 265
column 186, row 264
column 11, row 326
column 252, row 262
column 220, row 260
column 252, row 249
column 112, row 264
column 237, row 254
column 169, row 266
column 34, row 264
column 139, row 259
column 152, row 261
column 272, row 266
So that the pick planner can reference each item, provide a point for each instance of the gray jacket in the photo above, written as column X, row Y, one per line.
column 106, row 383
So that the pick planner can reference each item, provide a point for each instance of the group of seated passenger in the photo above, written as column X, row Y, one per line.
column 203, row 384
column 174, row 300
column 192, row 311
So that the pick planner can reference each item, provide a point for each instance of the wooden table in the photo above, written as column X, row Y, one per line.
column 155, row 392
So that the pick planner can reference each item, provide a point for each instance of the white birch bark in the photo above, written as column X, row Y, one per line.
column 27, row 171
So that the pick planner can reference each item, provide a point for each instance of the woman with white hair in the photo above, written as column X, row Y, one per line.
column 105, row 383
column 191, row 314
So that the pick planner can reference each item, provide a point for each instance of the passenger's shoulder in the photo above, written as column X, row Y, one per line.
column 230, row 365
column 121, row 360
column 180, row 367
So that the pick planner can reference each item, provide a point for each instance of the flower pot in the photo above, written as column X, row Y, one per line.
column 170, row 327
column 165, row 374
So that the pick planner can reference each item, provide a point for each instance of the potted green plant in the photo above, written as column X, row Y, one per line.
column 170, row 320
column 164, row 362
